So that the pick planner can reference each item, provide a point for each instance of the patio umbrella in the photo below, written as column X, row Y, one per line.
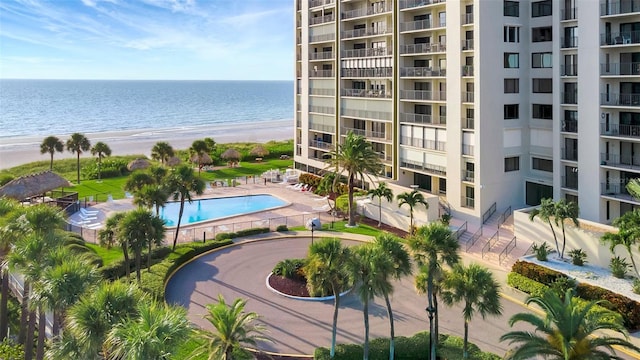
column 32, row 185
column 138, row 164
column 259, row 151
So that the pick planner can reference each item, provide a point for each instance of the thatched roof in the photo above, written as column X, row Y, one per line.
column 173, row 161
column 259, row 150
column 201, row 159
column 138, row 164
column 32, row 185
column 231, row 154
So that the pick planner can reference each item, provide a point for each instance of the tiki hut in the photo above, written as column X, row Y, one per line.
column 138, row 164
column 232, row 156
column 29, row 186
column 259, row 151
column 173, row 161
column 201, row 159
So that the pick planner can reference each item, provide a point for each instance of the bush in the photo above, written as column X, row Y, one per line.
column 282, row 228
column 578, row 257
column 619, row 267
column 108, row 169
column 525, row 284
column 541, row 251
column 636, row 286
column 629, row 309
column 310, row 179
column 11, row 351
column 536, row 272
column 4, row 179
column 242, row 233
column 289, row 268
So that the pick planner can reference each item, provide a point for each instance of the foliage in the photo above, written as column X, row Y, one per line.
column 562, row 284
column 289, row 268
column 445, row 218
column 526, row 284
column 282, row 228
column 628, row 235
column 110, row 168
column 4, row 179
column 619, row 267
column 411, row 199
column 11, row 351
column 636, row 286
column 536, row 272
column 241, row 233
column 578, row 257
column 310, row 179
column 541, row 251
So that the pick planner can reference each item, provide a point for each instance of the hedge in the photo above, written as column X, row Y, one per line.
column 525, row 284
column 629, row 309
column 406, row 348
column 241, row 233
column 536, row 272
column 117, row 269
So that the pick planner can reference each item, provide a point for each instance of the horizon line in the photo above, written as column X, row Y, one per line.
column 69, row 79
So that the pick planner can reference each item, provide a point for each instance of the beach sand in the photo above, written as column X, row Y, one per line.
column 16, row 151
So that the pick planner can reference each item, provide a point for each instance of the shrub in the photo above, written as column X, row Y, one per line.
column 561, row 285
column 525, row 284
column 241, row 233
column 108, row 169
column 578, row 257
column 281, row 228
column 289, row 268
column 619, row 267
column 4, row 179
column 636, row 286
column 541, row 251
column 536, row 272
column 310, row 179
column 627, row 308
column 11, row 351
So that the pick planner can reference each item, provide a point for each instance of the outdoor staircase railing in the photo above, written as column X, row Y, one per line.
column 505, row 215
column 461, row 230
column 487, row 214
column 474, row 239
column 492, row 241
column 507, row 250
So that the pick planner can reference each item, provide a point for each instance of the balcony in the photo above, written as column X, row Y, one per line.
column 320, row 144
column 467, row 70
column 613, row 69
column 620, row 99
column 352, row 53
column 379, row 8
column 570, row 182
column 322, row 55
column 422, row 72
column 423, row 95
column 422, row 48
column 377, row 94
column 422, row 143
column 321, row 91
column 466, row 19
column 314, row 3
column 626, row 161
column 322, row 109
column 323, row 128
column 620, row 130
column 619, row 7
column 467, row 96
column 321, row 19
column 569, row 70
column 569, row 42
column 569, row 154
column 468, row 123
column 467, row 202
column 425, row 167
column 570, row 126
column 467, row 150
column 368, row 73
column 367, row 114
column 618, row 191
column 620, row 38
column 322, row 38
column 569, row 97
column 355, row 33
column 415, row 25
column 467, row 175
column 380, row 135
column 467, row 44
column 321, row 73
column 569, row 14
column 408, row 4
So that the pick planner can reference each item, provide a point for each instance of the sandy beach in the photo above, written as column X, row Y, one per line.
column 16, row 151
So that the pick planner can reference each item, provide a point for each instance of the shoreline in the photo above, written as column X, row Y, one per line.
column 20, row 150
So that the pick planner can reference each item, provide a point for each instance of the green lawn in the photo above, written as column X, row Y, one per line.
column 108, row 256
column 340, row 226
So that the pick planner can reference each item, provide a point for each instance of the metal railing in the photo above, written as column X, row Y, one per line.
column 570, row 126
column 568, row 42
column 466, row 19
column 322, row 109
column 620, row 99
column 569, row 69
column 379, row 8
column 468, row 96
column 422, row 48
column 314, row 3
column 490, row 243
column 620, row 130
column 368, row 72
column 467, row 44
column 381, row 51
column 366, row 93
column 429, row 168
column 321, row 73
column 367, row 114
column 615, row 7
column 425, row 95
column 468, row 202
column 468, row 123
column 490, row 211
column 322, row 55
column 467, row 150
column 507, row 250
column 422, row 71
column 321, row 19
column 474, row 238
column 625, row 68
column 406, row 4
column 461, row 230
column 620, row 38
column 467, row 70
column 569, row 97
column 504, row 216
column 468, row 175
column 569, row 14
column 322, row 37
column 569, row 182
column 625, row 161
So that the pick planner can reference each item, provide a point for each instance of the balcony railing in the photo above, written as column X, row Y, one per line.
column 321, row 19
column 423, row 95
column 422, row 48
column 422, row 72
column 430, row 168
column 322, row 109
column 348, row 34
column 620, row 38
column 616, row 190
column 366, row 93
column 620, row 130
column 569, row 14
column 569, row 97
column 467, row 175
column 466, row 19
column 320, row 144
column 416, row 118
column 322, row 55
column 627, row 68
column 467, row 150
column 321, row 73
column 407, row 4
column 415, row 25
column 467, row 70
column 569, row 70
column 570, row 182
column 370, row 72
column 322, row 38
column 613, row 7
column 467, row 202
column 467, row 44
column 468, row 123
column 569, row 154
column 322, row 92
column 569, row 42
column 422, row 143
column 570, row 126
column 467, row 96
column 379, row 8
column 314, row 3
column 351, row 53
column 626, row 161
column 366, row 133
column 368, row 114
column 322, row 128
column 620, row 99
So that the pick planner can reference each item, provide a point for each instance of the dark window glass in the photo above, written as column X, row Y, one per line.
column 542, row 164
column 541, row 8
column 543, row 86
column 511, row 8
column 542, row 111
column 511, row 111
column 541, row 34
column 512, row 163
column 541, row 60
column 511, row 60
column 511, row 86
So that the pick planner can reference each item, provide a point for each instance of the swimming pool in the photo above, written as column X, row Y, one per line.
column 218, row 208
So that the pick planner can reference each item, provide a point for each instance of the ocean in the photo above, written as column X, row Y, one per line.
column 39, row 108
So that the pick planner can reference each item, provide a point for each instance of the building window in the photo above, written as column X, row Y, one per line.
column 511, row 86
column 541, row 60
column 542, row 164
column 511, row 34
column 541, row 34
column 512, row 163
column 542, row 111
column 511, row 111
column 511, row 8
column 542, row 86
column 511, row 60
column 541, row 8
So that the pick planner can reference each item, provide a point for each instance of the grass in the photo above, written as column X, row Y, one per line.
column 100, row 189
column 108, row 256
column 341, row 226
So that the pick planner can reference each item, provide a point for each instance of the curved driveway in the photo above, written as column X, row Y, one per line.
column 298, row 326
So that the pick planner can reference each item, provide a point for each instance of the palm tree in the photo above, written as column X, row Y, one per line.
column 151, row 196
column 628, row 235
column 401, row 266
column 182, row 182
column 412, row 199
column 161, row 151
column 77, row 144
column 633, row 187
column 545, row 212
column 326, row 272
column 567, row 330
column 235, row 330
column 565, row 210
column 476, row 288
column 382, row 191
column 432, row 246
column 355, row 157
column 137, row 180
column 140, row 227
column 50, row 145
column 199, row 153
column 10, row 210
column 152, row 335
column 107, row 236
column 101, row 149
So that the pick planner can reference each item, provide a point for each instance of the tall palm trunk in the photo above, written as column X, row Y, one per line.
column 57, row 320
column 175, row 237
column 555, row 238
column 352, row 218
column 336, row 306
column 380, row 214
column 78, row 167
column 125, row 252
column 138, row 255
column 24, row 313
column 465, row 350
column 365, row 311
column 633, row 262
column 392, row 331
column 436, row 324
column 564, row 242
column 432, row 339
column 51, row 163
column 31, row 328
column 42, row 335
column 4, row 312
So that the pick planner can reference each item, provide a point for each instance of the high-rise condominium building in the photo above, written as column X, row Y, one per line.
column 482, row 102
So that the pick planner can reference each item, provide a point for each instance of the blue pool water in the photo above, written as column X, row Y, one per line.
column 213, row 209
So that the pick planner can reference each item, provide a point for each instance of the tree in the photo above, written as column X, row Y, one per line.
column 152, row 335
column 50, row 145
column 101, row 149
column 567, row 330
column 327, row 272
column 401, row 266
column 107, row 236
column 182, row 182
column 10, row 210
column 356, row 157
column 137, row 180
column 162, row 151
column 151, row 196
column 199, row 153
column 633, row 187
column 412, row 199
column 77, row 144
column 545, row 212
column 141, row 227
column 382, row 191
column 476, row 288
column 235, row 330
column 432, row 246
column 565, row 210
column 628, row 235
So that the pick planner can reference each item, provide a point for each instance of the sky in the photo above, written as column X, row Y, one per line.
column 147, row 39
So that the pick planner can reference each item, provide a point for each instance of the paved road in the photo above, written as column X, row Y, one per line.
column 297, row 326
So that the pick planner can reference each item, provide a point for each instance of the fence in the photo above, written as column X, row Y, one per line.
column 510, row 246
column 487, row 214
column 477, row 235
column 461, row 230
column 492, row 241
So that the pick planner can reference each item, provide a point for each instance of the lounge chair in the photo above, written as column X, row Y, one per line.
column 326, row 207
column 89, row 212
column 93, row 226
column 88, row 217
column 322, row 198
